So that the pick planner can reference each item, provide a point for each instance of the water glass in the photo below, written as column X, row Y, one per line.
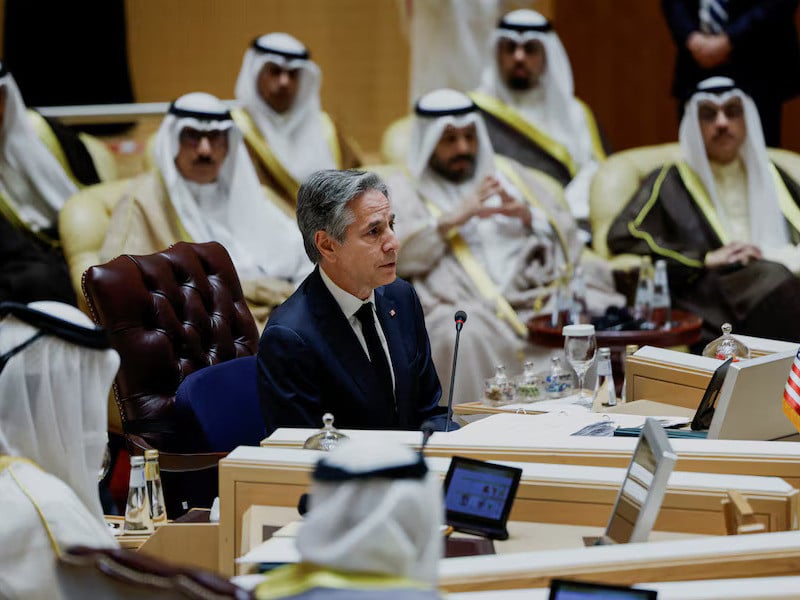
column 580, row 349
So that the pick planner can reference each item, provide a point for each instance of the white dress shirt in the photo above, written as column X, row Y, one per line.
column 350, row 305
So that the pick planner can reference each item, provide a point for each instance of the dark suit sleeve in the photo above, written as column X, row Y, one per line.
column 287, row 389
column 753, row 25
column 682, row 18
column 430, row 389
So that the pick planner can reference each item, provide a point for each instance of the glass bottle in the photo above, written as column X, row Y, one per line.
column 137, row 510
column 498, row 390
column 529, row 386
column 630, row 349
column 662, row 306
column 577, row 296
column 643, row 304
column 327, row 438
column 604, row 391
column 155, row 492
column 726, row 345
column 559, row 381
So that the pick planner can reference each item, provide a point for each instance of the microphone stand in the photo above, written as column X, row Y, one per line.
column 460, row 318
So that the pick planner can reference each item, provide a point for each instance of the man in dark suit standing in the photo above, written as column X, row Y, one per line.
column 351, row 340
column 754, row 42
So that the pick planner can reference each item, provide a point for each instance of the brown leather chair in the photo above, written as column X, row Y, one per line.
column 169, row 314
column 116, row 573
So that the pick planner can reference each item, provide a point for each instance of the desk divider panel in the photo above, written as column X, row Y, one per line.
column 567, row 494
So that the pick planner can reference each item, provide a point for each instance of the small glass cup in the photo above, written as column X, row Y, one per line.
column 498, row 390
column 529, row 386
column 580, row 348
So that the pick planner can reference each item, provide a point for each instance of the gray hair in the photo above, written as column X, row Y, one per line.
column 323, row 204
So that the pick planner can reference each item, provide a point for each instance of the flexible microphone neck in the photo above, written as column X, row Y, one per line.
column 428, row 427
column 460, row 319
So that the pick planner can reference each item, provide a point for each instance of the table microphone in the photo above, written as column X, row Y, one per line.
column 460, row 318
column 427, row 429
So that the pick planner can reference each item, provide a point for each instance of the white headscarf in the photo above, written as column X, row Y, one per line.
column 366, row 522
column 767, row 225
column 551, row 105
column 40, row 185
column 296, row 136
column 495, row 240
column 233, row 210
column 53, row 401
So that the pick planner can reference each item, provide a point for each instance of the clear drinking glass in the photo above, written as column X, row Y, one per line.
column 580, row 349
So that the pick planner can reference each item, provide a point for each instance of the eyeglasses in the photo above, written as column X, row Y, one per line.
column 707, row 113
column 192, row 137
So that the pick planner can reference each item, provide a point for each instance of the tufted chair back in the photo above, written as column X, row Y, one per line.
column 168, row 315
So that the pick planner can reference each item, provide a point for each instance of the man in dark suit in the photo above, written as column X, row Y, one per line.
column 351, row 340
column 754, row 42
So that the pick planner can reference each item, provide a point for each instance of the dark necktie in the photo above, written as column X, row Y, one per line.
column 377, row 355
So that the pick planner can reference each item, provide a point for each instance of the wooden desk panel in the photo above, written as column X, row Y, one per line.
column 691, row 509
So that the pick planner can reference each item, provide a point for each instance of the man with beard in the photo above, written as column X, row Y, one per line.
column 204, row 188
column 725, row 218
column 532, row 115
column 484, row 234
column 285, row 129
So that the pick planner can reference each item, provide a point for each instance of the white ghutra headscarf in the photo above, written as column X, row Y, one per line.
column 233, row 210
column 374, row 509
column 54, row 399
column 496, row 240
column 296, row 136
column 551, row 105
column 767, row 225
column 35, row 184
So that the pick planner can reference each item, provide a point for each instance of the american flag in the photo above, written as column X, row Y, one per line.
column 791, row 393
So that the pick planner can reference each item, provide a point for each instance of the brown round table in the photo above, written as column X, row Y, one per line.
column 685, row 330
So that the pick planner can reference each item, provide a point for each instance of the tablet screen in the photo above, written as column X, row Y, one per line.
column 575, row 590
column 480, row 492
column 643, row 488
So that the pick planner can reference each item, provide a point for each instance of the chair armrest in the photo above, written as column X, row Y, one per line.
column 175, row 462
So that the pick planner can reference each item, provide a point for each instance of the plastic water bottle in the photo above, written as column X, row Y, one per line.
column 155, row 492
column 604, row 391
column 629, row 350
column 662, row 307
column 643, row 304
column 137, row 510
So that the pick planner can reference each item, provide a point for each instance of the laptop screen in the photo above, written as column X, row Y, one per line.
column 643, row 488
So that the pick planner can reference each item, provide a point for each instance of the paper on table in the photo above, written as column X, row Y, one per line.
column 515, row 430
column 274, row 550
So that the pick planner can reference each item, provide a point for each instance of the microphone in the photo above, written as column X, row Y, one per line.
column 302, row 504
column 427, row 429
column 460, row 319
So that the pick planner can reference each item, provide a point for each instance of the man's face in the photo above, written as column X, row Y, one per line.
column 520, row 65
column 278, row 86
column 368, row 257
column 455, row 154
column 723, row 128
column 201, row 153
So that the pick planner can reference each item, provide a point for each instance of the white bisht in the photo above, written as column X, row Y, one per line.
column 35, row 184
column 297, row 136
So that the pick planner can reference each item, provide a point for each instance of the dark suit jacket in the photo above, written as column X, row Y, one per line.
column 310, row 362
column 766, row 57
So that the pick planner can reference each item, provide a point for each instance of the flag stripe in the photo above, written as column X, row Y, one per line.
column 791, row 394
